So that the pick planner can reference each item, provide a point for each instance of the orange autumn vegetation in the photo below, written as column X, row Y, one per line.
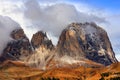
column 14, row 70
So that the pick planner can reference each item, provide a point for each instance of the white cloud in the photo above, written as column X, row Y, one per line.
column 54, row 18
column 6, row 27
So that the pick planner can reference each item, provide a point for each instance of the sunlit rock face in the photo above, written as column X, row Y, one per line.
column 86, row 40
column 18, row 48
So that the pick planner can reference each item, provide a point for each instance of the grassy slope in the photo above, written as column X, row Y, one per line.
column 19, row 71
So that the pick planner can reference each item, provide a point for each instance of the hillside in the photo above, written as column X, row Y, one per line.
column 15, row 70
column 12, row 70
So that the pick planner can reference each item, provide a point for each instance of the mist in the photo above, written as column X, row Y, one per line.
column 7, row 25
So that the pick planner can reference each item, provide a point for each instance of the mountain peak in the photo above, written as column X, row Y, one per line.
column 18, row 34
column 40, row 39
column 86, row 40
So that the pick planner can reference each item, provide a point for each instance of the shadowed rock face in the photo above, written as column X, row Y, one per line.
column 18, row 48
column 88, row 41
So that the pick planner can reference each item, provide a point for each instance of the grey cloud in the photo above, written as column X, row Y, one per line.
column 53, row 19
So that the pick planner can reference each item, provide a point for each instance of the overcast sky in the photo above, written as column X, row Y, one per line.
column 52, row 16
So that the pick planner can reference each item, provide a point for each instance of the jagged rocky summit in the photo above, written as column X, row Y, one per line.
column 40, row 39
column 18, row 48
column 43, row 49
column 79, row 43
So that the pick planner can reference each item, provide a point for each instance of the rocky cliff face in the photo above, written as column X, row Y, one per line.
column 79, row 45
column 18, row 48
column 86, row 40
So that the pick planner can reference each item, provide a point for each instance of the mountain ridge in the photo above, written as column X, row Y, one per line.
column 77, row 44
